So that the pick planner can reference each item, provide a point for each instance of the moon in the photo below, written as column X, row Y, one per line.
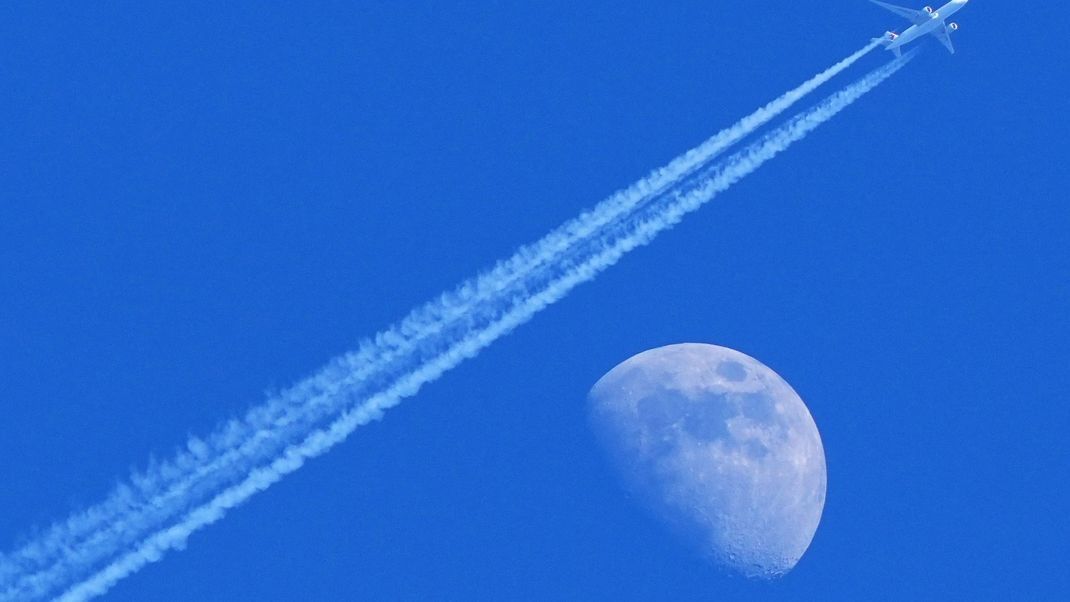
column 721, row 447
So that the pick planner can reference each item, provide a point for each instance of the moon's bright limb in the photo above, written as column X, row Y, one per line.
column 720, row 445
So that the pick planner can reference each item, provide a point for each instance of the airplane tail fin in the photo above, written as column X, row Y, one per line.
column 886, row 41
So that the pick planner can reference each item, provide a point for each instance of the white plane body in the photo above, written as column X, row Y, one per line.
column 925, row 21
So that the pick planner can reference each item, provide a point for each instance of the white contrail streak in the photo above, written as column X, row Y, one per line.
column 604, row 253
column 165, row 490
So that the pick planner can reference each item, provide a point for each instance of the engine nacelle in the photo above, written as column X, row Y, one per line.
column 930, row 10
column 953, row 26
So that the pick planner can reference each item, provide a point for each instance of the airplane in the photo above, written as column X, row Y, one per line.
column 927, row 20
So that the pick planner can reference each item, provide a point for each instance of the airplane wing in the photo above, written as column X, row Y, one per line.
column 917, row 17
column 944, row 35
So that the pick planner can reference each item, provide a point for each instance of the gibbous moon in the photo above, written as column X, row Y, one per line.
column 720, row 446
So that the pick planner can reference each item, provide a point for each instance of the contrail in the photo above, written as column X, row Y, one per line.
column 325, row 385
column 165, row 490
column 640, row 232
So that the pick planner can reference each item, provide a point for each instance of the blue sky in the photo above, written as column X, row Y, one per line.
column 206, row 202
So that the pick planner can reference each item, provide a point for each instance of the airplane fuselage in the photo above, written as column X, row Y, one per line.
column 936, row 21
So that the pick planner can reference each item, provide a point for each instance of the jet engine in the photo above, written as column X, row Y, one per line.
column 953, row 26
column 929, row 10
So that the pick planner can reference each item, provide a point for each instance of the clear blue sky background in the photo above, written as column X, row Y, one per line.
column 203, row 202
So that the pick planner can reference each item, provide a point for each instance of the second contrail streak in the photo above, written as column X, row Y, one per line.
column 601, row 253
